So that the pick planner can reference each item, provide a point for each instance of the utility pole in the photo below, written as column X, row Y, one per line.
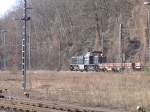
column 119, row 41
column 121, row 45
column 29, row 49
column 29, row 46
column 98, row 41
column 59, row 37
column 4, row 45
column 3, row 36
column 147, row 3
column 24, row 45
column 149, row 35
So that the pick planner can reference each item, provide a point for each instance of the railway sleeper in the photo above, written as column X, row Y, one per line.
column 71, row 110
column 2, row 107
column 62, row 108
column 45, row 106
column 15, row 109
column 57, row 108
column 34, row 105
column 20, row 110
column 78, row 110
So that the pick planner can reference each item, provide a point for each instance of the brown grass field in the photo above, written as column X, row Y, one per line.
column 115, row 90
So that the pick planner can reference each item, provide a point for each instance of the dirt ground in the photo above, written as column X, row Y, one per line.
column 115, row 90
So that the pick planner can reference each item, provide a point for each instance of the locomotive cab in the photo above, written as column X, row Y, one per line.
column 87, row 62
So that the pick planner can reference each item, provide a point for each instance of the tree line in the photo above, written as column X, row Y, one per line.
column 60, row 29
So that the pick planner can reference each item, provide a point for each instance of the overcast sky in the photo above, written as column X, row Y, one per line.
column 6, row 5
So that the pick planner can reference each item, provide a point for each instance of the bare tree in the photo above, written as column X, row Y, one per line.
column 61, row 29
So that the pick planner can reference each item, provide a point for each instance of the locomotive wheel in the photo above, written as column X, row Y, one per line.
column 86, row 68
column 97, row 69
column 71, row 68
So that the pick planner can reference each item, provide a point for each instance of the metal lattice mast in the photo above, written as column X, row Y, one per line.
column 29, row 38
column 3, row 36
column 98, row 40
column 24, row 46
column 147, row 3
column 149, row 35
column 4, row 45
column 119, row 41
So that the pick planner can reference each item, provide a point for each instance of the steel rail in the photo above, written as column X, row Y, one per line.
column 29, row 105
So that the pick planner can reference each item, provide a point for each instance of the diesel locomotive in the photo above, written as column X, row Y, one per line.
column 96, row 61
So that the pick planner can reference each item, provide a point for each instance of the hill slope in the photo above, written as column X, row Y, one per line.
column 62, row 29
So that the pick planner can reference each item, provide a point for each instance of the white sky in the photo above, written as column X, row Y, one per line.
column 5, row 5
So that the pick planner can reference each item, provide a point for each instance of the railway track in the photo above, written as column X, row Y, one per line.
column 26, row 105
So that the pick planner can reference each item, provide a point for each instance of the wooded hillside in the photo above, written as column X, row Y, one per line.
column 60, row 29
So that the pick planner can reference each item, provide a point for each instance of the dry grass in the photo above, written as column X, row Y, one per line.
column 89, row 89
